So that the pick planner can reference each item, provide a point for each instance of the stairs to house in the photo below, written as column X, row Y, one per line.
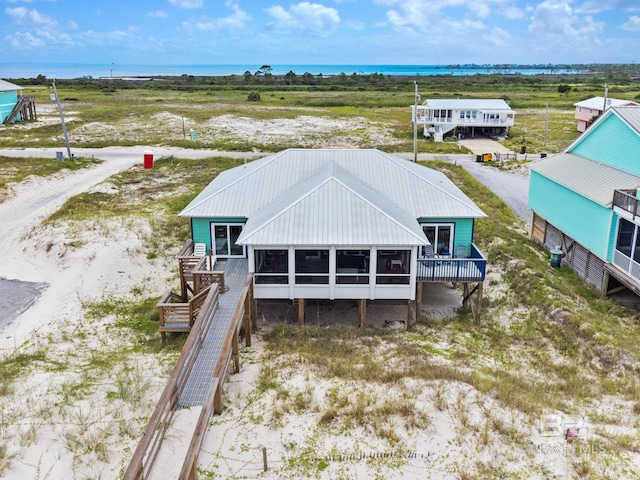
column 25, row 109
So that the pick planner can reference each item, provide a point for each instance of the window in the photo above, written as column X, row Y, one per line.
column 393, row 266
column 271, row 266
column 440, row 235
column 352, row 266
column 625, row 237
column 225, row 237
column 312, row 266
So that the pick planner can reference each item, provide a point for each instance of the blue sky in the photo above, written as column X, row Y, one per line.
column 322, row 32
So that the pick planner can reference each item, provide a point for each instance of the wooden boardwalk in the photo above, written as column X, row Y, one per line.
column 171, row 442
column 235, row 274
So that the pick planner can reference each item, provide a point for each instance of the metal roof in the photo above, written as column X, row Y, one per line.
column 590, row 179
column 631, row 115
column 331, row 208
column 313, row 197
column 467, row 104
column 7, row 86
column 420, row 191
column 597, row 103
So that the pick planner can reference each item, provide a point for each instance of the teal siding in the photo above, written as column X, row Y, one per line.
column 613, row 143
column 463, row 231
column 201, row 228
column 8, row 100
column 612, row 237
column 587, row 222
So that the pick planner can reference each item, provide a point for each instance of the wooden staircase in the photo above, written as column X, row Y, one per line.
column 25, row 109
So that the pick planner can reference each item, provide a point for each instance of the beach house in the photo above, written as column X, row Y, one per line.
column 464, row 118
column 339, row 224
column 13, row 105
column 586, row 202
column 591, row 108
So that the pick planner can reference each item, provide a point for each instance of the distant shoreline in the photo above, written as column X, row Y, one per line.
column 103, row 71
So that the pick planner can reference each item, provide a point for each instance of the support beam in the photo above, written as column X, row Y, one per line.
column 409, row 314
column 246, row 320
column 363, row 311
column 419, row 287
column 301, row 312
column 479, row 287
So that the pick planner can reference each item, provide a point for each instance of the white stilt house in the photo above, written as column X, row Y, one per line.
column 464, row 118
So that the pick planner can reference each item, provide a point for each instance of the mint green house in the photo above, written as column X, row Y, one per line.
column 585, row 201
column 339, row 224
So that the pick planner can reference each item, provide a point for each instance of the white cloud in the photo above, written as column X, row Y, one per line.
column 633, row 24
column 557, row 18
column 236, row 21
column 187, row 4
column 158, row 14
column 30, row 18
column 307, row 17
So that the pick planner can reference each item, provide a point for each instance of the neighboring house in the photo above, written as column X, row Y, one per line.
column 591, row 108
column 339, row 224
column 13, row 105
column 585, row 201
column 464, row 118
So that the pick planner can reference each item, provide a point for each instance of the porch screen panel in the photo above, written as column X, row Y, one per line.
column 625, row 237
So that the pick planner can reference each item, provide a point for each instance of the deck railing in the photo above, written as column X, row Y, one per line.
column 447, row 269
column 627, row 200
column 145, row 455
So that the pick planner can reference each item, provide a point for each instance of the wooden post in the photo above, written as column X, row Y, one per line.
column 479, row 302
column 248, row 315
column 465, row 294
column 254, row 311
column 409, row 313
column 264, row 458
column 419, row 286
column 301, row 311
column 217, row 399
column 235, row 350
column 363, row 311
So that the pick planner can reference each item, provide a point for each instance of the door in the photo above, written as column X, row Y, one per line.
column 225, row 237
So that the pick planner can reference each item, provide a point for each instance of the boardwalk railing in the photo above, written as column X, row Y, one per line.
column 213, row 399
column 178, row 316
column 145, row 455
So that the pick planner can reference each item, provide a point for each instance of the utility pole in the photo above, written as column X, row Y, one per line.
column 64, row 125
column 546, row 126
column 415, row 123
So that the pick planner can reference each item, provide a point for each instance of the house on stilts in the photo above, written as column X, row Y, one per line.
column 341, row 224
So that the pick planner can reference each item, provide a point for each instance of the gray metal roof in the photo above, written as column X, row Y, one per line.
column 331, row 208
column 313, row 197
column 631, row 115
column 597, row 103
column 467, row 104
column 590, row 179
column 7, row 86
column 420, row 191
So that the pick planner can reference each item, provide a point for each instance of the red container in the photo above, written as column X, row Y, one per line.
column 148, row 159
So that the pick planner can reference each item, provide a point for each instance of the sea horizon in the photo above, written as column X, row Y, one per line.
column 112, row 70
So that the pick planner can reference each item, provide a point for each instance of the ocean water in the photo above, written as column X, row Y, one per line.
column 66, row 71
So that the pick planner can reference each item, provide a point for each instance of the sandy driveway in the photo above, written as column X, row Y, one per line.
column 26, row 272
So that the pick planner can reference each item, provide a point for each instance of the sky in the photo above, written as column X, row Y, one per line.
column 343, row 32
